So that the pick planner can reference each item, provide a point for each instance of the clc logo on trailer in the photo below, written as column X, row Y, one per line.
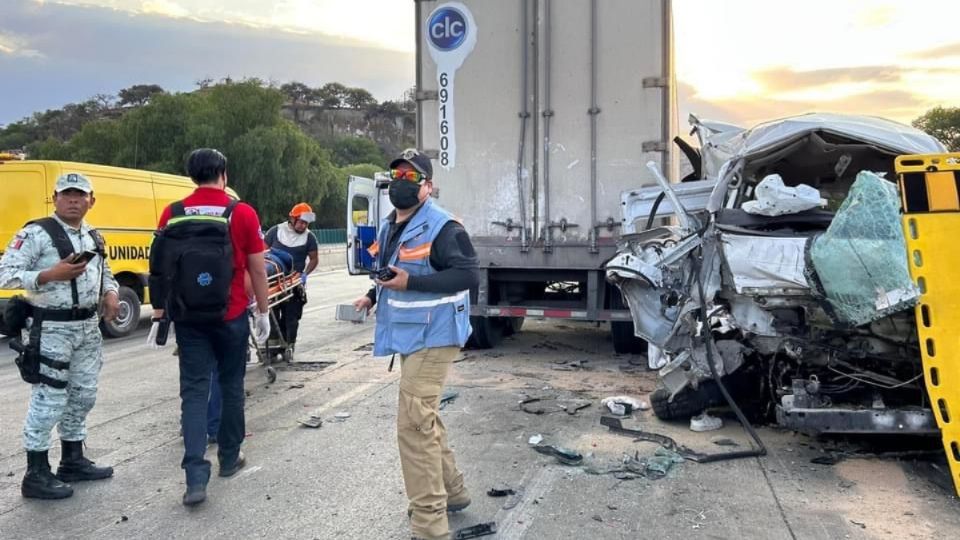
column 447, row 28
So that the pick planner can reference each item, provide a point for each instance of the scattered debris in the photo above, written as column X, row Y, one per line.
column 624, row 405
column 514, row 499
column 534, row 440
column 570, row 366
column 705, row 422
column 123, row 519
column 774, row 198
column 858, row 524
column 475, row 531
column 828, row 459
column 500, row 491
column 598, row 517
column 364, row 348
column 723, row 441
column 574, row 406
column 563, row 455
column 448, row 397
column 631, row 467
column 292, row 386
column 341, row 416
column 311, row 421
column 9, row 474
column 611, row 507
column 846, row 484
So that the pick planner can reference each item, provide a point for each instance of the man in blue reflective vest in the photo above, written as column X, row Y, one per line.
column 424, row 317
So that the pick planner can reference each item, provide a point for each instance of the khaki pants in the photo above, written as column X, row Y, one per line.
column 430, row 472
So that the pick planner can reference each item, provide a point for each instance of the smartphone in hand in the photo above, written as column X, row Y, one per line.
column 84, row 257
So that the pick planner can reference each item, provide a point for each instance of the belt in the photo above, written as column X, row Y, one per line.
column 62, row 315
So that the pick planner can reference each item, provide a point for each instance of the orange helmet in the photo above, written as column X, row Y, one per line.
column 304, row 212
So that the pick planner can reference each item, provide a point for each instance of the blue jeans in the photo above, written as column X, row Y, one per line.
column 214, row 405
column 203, row 349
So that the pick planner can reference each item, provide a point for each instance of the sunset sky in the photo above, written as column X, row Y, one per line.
column 740, row 61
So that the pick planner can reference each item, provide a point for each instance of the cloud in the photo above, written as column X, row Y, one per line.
column 14, row 45
column 785, row 79
column 899, row 105
column 91, row 50
column 950, row 50
column 165, row 8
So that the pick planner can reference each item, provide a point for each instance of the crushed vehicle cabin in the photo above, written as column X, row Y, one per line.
column 789, row 239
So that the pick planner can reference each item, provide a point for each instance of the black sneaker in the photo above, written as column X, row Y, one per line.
column 195, row 495
column 227, row 472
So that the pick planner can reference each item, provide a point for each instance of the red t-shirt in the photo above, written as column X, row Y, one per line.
column 244, row 231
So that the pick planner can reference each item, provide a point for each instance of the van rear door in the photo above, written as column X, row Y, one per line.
column 367, row 204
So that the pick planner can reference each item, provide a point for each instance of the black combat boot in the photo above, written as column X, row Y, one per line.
column 39, row 482
column 76, row 468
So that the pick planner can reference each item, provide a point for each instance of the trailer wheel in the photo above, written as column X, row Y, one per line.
column 512, row 325
column 624, row 342
column 128, row 318
column 687, row 403
column 487, row 332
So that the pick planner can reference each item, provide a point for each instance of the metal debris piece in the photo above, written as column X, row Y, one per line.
column 723, row 441
column 572, row 407
column 563, row 455
column 534, row 439
column 500, row 491
column 623, row 405
column 448, row 397
column 292, row 386
column 311, row 421
column 475, row 531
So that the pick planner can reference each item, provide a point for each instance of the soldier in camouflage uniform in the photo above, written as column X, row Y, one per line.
column 65, row 296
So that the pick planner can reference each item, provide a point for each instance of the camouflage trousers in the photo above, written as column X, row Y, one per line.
column 80, row 344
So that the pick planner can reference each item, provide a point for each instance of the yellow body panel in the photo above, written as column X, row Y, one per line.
column 128, row 205
column 931, row 225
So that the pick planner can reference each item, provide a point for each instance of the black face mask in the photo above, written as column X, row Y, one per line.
column 404, row 195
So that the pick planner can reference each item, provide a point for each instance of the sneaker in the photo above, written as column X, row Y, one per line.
column 195, row 495
column 227, row 472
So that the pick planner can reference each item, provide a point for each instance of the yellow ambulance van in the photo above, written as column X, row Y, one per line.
column 129, row 203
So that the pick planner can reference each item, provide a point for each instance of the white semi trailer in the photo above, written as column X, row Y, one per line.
column 539, row 114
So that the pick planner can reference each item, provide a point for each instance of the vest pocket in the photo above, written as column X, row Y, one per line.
column 409, row 327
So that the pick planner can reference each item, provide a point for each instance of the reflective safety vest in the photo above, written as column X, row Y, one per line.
column 408, row 321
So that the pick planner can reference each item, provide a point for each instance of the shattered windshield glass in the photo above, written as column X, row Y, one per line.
column 861, row 260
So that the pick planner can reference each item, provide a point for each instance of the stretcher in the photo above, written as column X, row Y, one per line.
column 283, row 284
column 930, row 189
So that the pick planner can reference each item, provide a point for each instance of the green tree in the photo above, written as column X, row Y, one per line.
column 351, row 150
column 332, row 211
column 944, row 124
column 138, row 95
column 332, row 95
column 297, row 93
column 358, row 98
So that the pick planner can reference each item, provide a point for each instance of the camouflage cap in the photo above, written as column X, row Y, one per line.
column 73, row 181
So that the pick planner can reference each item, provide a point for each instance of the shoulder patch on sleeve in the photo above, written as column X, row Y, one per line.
column 18, row 240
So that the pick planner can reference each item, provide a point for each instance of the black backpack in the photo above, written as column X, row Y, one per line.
column 191, row 266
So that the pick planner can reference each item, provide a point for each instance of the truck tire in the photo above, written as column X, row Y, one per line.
column 687, row 403
column 512, row 325
column 487, row 332
column 129, row 317
column 624, row 342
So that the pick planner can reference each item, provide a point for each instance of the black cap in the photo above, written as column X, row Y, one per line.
column 419, row 161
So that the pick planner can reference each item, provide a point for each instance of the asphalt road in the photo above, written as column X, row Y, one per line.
column 343, row 481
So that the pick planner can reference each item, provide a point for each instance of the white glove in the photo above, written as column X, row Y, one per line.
column 261, row 327
column 152, row 336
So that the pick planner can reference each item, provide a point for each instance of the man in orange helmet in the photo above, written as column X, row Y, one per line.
column 294, row 237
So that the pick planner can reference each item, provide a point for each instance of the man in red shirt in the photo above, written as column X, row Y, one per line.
column 220, row 345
